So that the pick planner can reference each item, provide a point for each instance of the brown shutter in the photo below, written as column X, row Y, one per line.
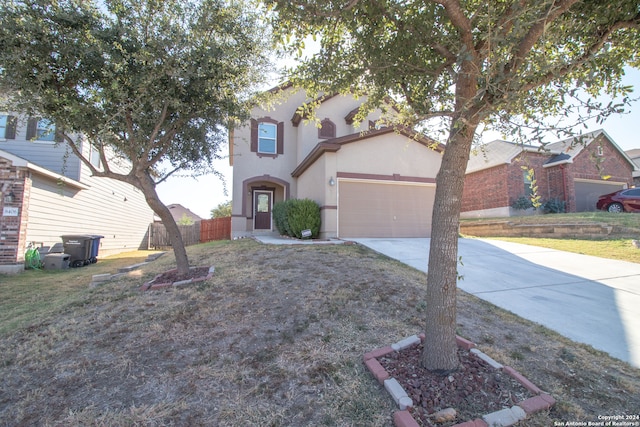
column 254, row 135
column 280, row 138
column 10, row 130
column 32, row 127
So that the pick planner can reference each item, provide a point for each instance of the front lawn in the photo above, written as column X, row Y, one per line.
column 275, row 338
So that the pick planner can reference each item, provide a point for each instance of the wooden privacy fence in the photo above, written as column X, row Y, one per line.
column 215, row 229
column 200, row 232
column 159, row 238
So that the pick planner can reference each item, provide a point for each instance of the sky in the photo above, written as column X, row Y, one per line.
column 202, row 194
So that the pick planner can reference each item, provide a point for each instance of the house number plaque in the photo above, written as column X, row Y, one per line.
column 9, row 211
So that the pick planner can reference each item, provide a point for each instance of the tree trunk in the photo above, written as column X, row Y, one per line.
column 440, row 350
column 149, row 190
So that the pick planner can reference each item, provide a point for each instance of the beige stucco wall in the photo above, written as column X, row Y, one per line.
column 387, row 155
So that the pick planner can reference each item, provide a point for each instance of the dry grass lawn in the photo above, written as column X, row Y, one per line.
column 275, row 338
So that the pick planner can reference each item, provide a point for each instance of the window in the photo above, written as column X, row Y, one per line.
column 528, row 178
column 7, row 127
column 45, row 130
column 600, row 150
column 3, row 126
column 94, row 156
column 267, row 137
column 40, row 129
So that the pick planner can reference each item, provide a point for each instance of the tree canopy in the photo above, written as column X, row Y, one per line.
column 505, row 64
column 155, row 83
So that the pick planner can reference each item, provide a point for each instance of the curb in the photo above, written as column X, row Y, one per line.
column 502, row 418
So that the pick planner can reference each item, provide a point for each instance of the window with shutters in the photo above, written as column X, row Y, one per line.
column 42, row 130
column 267, row 137
column 7, row 127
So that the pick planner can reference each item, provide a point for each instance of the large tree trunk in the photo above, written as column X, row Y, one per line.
column 149, row 190
column 440, row 350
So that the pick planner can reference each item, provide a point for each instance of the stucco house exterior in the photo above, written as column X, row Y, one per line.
column 47, row 192
column 574, row 171
column 369, row 181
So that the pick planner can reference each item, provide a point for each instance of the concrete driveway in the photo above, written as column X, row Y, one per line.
column 587, row 299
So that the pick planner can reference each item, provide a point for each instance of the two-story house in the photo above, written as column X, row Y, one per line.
column 47, row 192
column 369, row 181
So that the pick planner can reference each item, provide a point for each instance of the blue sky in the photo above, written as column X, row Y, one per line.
column 202, row 194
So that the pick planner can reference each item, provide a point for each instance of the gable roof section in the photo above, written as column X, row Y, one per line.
column 570, row 148
column 501, row 152
column 496, row 153
column 20, row 162
column 333, row 145
column 177, row 211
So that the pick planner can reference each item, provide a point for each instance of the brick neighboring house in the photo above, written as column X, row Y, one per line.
column 576, row 172
column 47, row 192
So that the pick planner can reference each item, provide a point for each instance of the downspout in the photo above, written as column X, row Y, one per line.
column 564, row 184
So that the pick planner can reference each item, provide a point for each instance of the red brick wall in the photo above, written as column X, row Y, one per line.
column 516, row 175
column 13, row 229
column 485, row 189
column 500, row 186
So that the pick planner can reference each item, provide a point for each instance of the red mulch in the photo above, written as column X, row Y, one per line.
column 474, row 390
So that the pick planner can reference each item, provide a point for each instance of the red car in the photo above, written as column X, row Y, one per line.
column 621, row 201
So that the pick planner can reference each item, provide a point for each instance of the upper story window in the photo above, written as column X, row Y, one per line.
column 7, row 127
column 267, row 137
column 40, row 129
column 94, row 156
column 327, row 129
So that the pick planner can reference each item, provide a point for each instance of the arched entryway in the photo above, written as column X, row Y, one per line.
column 259, row 194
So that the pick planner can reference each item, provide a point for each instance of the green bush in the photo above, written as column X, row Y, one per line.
column 522, row 203
column 554, row 206
column 294, row 215
column 280, row 215
column 304, row 215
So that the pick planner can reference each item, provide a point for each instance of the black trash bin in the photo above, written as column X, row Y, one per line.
column 78, row 247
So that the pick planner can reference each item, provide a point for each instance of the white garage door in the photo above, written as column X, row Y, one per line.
column 587, row 193
column 384, row 210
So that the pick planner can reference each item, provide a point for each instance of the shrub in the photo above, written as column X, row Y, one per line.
column 294, row 215
column 280, row 215
column 554, row 206
column 522, row 203
column 304, row 215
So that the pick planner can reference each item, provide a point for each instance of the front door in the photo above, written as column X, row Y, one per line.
column 262, row 210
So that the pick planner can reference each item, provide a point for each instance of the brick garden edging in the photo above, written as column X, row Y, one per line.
column 502, row 418
column 152, row 286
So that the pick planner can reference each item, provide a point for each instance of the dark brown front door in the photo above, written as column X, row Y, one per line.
column 262, row 210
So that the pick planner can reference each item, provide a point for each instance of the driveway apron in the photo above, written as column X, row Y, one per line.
column 591, row 300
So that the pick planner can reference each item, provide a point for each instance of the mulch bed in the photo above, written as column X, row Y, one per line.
column 475, row 389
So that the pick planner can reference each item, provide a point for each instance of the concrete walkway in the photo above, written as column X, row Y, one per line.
column 587, row 299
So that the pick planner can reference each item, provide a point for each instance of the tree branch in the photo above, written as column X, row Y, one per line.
column 536, row 31
column 460, row 21
column 589, row 52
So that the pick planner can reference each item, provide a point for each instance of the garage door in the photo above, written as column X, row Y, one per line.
column 384, row 210
column 587, row 193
